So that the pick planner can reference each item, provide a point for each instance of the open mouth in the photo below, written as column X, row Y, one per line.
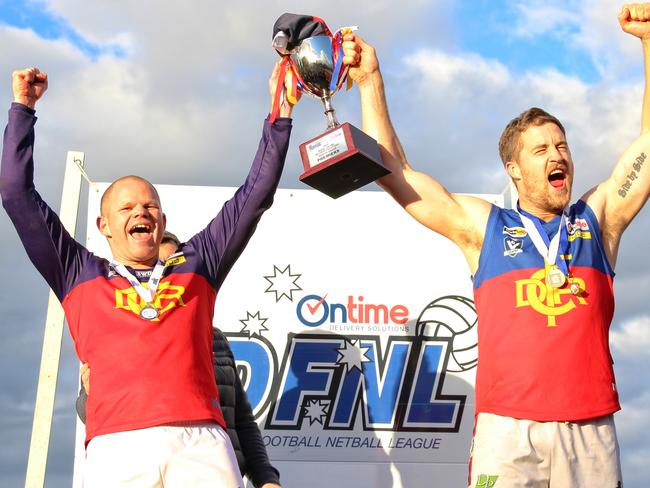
column 141, row 231
column 557, row 178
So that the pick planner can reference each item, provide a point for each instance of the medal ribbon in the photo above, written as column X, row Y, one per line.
column 277, row 99
column 147, row 294
column 548, row 249
column 339, row 76
column 337, row 42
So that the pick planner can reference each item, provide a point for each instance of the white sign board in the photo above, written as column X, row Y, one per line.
column 354, row 331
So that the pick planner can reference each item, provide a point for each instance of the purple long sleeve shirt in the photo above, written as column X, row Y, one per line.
column 145, row 372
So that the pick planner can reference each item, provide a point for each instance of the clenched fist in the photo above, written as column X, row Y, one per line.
column 635, row 19
column 285, row 102
column 360, row 57
column 28, row 85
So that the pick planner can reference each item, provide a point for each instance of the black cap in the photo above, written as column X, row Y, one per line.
column 290, row 29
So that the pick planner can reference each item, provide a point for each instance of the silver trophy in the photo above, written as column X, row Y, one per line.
column 314, row 62
column 344, row 158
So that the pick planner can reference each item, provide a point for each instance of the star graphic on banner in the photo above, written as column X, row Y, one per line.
column 352, row 355
column 282, row 283
column 253, row 324
column 316, row 410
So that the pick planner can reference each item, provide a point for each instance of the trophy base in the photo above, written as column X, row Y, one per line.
column 341, row 160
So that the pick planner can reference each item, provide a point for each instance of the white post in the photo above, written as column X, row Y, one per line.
column 44, row 408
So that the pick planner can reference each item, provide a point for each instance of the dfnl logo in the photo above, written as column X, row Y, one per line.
column 330, row 379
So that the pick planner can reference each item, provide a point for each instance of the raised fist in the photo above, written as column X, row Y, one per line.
column 28, row 85
column 289, row 96
column 360, row 57
column 635, row 19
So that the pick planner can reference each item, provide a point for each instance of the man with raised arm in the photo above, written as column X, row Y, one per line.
column 543, row 274
column 143, row 326
column 243, row 431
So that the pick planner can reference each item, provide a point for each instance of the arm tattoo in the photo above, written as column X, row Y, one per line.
column 633, row 175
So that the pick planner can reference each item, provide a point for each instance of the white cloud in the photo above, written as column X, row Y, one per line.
column 436, row 67
column 633, row 421
column 536, row 17
column 632, row 338
column 590, row 25
column 632, row 425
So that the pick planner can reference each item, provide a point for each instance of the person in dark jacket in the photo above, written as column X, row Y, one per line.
column 243, row 431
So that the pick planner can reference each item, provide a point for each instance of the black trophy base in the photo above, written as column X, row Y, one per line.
column 341, row 160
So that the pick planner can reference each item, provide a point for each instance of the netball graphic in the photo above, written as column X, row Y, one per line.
column 452, row 317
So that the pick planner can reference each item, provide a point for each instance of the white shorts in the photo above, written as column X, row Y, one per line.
column 508, row 452
column 196, row 454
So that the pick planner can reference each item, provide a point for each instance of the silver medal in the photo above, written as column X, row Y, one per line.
column 555, row 277
column 147, row 295
column 149, row 313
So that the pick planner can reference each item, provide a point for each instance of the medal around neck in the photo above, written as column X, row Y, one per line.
column 555, row 277
column 548, row 249
column 149, row 313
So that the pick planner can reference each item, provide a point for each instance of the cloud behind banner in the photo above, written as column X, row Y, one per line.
column 177, row 92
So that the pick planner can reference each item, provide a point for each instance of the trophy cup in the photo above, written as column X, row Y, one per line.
column 343, row 158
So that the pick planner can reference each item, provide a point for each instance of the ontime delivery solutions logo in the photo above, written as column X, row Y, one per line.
column 315, row 310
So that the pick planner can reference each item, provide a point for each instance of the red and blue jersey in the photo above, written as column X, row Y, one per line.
column 144, row 372
column 544, row 351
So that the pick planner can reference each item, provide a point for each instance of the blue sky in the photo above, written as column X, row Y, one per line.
column 32, row 15
column 485, row 27
column 155, row 83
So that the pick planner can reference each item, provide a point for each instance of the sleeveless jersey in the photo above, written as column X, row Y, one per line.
column 543, row 351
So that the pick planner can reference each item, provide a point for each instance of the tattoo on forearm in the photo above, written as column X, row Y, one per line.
column 637, row 165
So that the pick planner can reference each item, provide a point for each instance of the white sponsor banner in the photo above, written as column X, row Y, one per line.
column 354, row 331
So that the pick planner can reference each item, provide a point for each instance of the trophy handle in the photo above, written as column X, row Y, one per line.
column 329, row 112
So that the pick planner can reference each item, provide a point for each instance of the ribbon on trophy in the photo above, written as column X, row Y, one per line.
column 343, row 158
column 288, row 32
column 337, row 78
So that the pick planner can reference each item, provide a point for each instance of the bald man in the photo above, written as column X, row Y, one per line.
column 143, row 326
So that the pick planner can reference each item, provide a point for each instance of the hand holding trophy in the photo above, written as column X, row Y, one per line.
column 343, row 158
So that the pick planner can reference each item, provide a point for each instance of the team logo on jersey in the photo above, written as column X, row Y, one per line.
column 543, row 298
column 175, row 259
column 518, row 232
column 578, row 229
column 167, row 297
column 512, row 247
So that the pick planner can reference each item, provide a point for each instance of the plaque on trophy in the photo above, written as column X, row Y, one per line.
column 343, row 158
